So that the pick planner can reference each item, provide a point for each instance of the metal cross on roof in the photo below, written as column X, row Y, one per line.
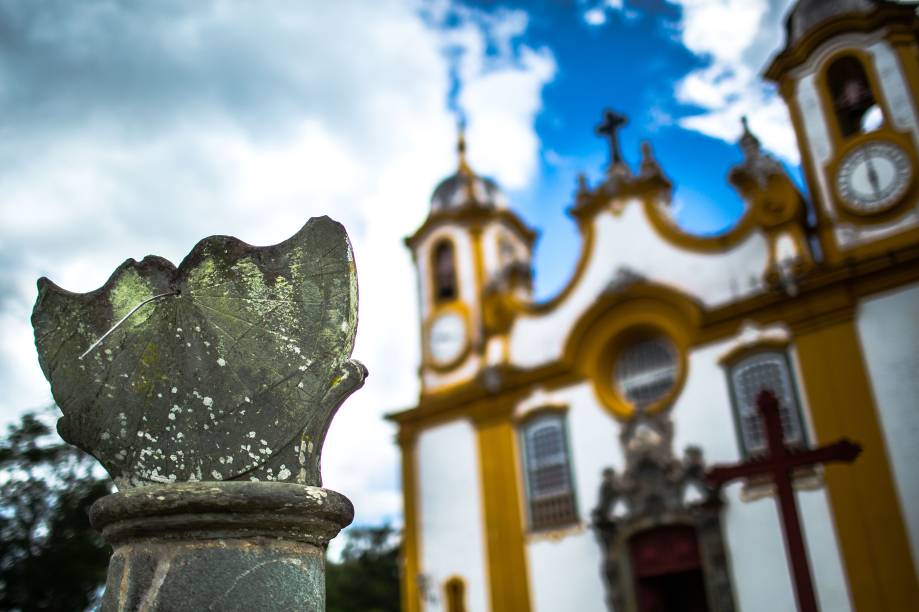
column 609, row 128
column 780, row 463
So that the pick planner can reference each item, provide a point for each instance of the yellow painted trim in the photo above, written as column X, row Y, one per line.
column 897, row 19
column 501, row 504
column 411, row 536
column 469, row 217
column 745, row 350
column 522, row 416
column 616, row 320
column 450, row 603
column 822, row 293
column 587, row 246
column 671, row 232
column 478, row 260
column 866, row 510
column 622, row 334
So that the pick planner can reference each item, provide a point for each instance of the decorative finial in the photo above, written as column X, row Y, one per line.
column 749, row 143
column 461, row 147
column 649, row 166
column 609, row 128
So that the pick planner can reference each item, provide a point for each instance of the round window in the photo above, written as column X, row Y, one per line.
column 646, row 371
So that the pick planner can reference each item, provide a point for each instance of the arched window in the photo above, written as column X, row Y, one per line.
column 854, row 103
column 455, row 591
column 444, row 272
column 550, row 492
column 750, row 375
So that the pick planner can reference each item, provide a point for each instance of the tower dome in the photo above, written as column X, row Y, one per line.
column 807, row 14
column 466, row 188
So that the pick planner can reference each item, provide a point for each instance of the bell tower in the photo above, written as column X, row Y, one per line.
column 849, row 74
column 470, row 247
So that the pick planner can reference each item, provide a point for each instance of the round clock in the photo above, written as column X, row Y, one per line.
column 873, row 177
column 447, row 338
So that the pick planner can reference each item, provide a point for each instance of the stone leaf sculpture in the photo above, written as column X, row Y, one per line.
column 229, row 367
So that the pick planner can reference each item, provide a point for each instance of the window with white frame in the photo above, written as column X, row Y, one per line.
column 646, row 371
column 549, row 487
column 768, row 370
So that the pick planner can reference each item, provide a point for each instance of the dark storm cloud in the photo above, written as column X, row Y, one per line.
column 142, row 65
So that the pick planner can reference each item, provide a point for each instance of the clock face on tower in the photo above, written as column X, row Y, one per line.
column 873, row 177
column 447, row 338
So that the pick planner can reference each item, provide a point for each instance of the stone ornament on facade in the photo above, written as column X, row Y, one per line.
column 657, row 490
column 206, row 391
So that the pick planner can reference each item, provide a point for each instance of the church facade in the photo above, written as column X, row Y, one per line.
column 555, row 459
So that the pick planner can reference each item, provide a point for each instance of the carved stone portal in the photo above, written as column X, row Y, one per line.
column 659, row 518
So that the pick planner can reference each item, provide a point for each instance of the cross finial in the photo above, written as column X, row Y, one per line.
column 609, row 128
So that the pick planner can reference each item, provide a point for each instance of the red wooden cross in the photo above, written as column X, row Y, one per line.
column 779, row 462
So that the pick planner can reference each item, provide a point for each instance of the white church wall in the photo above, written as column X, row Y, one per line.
column 449, row 512
column 565, row 569
column 565, row 574
column 703, row 417
column 888, row 327
column 629, row 241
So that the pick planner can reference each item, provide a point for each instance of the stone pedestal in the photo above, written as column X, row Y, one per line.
column 219, row 546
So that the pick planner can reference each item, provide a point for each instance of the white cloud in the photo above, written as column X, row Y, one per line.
column 131, row 129
column 596, row 13
column 736, row 37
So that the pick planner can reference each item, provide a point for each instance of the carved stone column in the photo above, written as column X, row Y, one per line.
column 206, row 392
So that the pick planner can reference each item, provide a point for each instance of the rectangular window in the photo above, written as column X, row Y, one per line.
column 550, row 492
column 764, row 370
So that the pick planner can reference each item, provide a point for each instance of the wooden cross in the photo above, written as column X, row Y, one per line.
column 609, row 128
column 780, row 462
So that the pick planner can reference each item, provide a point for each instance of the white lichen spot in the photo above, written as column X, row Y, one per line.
column 221, row 362
column 197, row 328
column 207, row 401
column 105, row 435
column 300, row 385
column 247, row 400
column 172, row 416
column 179, row 329
column 251, row 434
column 284, row 474
column 175, row 389
column 216, row 475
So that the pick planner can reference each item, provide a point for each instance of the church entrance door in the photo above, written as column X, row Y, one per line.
column 668, row 570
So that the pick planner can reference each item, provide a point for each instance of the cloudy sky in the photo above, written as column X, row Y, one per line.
column 131, row 128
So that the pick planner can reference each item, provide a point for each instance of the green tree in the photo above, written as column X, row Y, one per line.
column 366, row 579
column 50, row 556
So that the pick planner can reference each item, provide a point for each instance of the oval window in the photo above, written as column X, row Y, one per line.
column 646, row 371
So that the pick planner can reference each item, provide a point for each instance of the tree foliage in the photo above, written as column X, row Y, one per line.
column 50, row 556
column 367, row 576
